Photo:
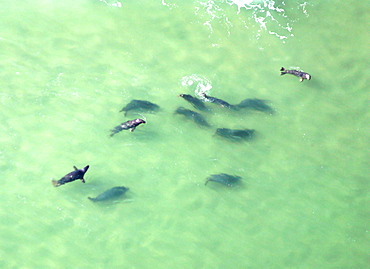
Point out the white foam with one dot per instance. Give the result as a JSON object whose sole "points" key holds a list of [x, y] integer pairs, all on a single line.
{"points": [[270, 15], [200, 82]]}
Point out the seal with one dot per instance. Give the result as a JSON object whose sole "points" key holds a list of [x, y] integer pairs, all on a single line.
{"points": [[110, 194], [224, 179], [74, 175], [192, 115], [217, 101], [127, 125], [255, 104], [302, 75], [236, 135], [198, 104], [140, 105]]}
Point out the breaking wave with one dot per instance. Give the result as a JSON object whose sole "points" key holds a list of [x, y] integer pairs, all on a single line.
{"points": [[268, 15]]}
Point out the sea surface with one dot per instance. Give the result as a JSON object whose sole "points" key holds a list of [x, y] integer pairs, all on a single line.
{"points": [[68, 68]]}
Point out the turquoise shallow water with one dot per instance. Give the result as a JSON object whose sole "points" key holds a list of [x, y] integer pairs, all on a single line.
{"points": [[68, 68]]}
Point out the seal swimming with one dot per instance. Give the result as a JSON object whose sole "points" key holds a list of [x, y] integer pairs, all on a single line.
{"points": [[140, 105], [192, 115], [255, 104], [110, 194], [217, 101], [302, 75], [242, 134], [74, 175], [198, 104], [127, 125], [223, 178]]}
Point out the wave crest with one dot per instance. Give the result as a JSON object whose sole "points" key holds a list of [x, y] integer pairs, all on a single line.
{"points": [[269, 15]]}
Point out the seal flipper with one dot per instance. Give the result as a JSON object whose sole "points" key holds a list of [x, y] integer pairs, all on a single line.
{"points": [[84, 171], [283, 71], [55, 183], [75, 168], [92, 199], [132, 129]]}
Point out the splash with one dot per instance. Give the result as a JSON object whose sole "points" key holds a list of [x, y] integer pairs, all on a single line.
{"points": [[200, 84]]}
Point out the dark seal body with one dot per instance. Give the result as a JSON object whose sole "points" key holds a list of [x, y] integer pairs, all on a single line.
{"points": [[225, 179], [140, 105], [243, 134], [302, 75], [127, 125], [110, 194], [255, 104], [74, 175], [217, 101], [192, 115], [198, 104]]}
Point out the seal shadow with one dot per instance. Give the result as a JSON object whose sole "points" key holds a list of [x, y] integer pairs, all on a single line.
{"points": [[241, 185]]}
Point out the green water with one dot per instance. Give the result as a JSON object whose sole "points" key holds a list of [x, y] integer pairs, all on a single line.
{"points": [[67, 69]]}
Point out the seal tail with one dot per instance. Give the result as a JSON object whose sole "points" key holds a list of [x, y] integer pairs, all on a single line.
{"points": [[55, 183], [283, 71], [207, 181], [113, 132]]}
